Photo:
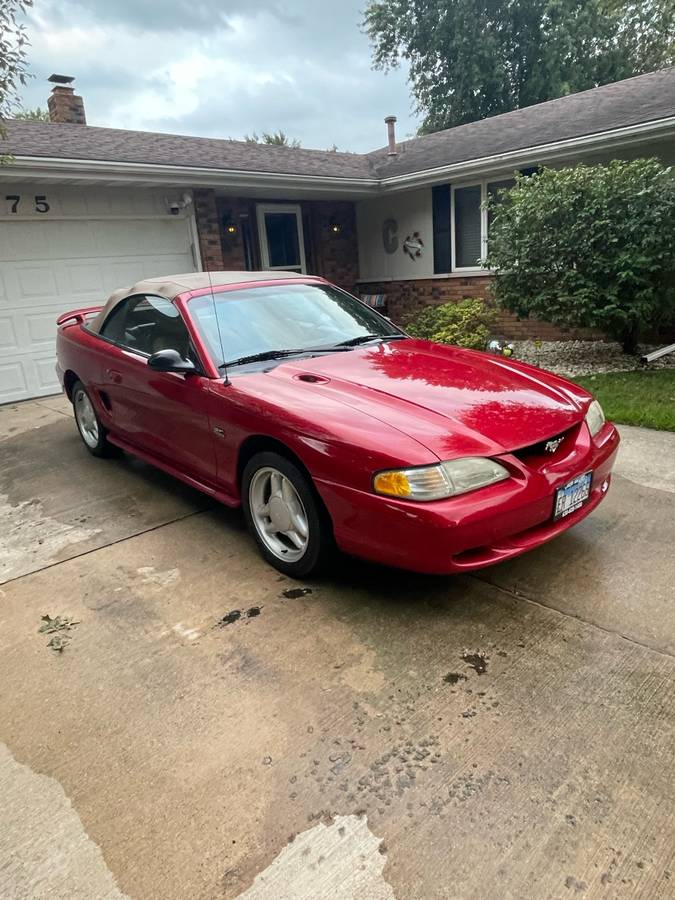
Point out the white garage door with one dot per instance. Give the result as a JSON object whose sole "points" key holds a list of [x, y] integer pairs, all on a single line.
{"points": [[67, 248]]}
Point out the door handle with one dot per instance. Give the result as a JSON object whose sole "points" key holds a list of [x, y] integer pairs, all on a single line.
{"points": [[114, 376]]}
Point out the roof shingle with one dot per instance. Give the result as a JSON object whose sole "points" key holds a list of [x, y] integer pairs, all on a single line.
{"points": [[634, 101]]}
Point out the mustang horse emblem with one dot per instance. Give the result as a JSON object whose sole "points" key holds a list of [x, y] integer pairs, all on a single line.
{"points": [[552, 445]]}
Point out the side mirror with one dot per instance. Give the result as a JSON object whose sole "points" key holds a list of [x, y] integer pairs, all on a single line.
{"points": [[171, 361]]}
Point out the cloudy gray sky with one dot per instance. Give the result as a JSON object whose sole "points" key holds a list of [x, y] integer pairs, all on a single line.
{"points": [[220, 68]]}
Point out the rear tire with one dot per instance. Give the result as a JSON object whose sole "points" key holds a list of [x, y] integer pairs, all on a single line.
{"points": [[285, 516], [94, 435]]}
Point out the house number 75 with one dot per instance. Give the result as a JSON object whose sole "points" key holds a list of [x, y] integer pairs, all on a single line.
{"points": [[41, 205]]}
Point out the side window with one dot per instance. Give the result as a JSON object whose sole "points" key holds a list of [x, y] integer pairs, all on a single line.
{"points": [[147, 324]]}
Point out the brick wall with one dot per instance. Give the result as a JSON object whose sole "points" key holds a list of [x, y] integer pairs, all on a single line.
{"points": [[333, 255], [405, 299], [209, 230], [238, 212]]}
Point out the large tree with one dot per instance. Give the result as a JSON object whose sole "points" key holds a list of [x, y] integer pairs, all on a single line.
{"points": [[470, 59], [13, 46], [275, 138], [33, 115]]}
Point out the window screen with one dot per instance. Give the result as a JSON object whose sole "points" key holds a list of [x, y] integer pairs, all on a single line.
{"points": [[494, 190], [468, 247], [282, 240], [440, 196]]}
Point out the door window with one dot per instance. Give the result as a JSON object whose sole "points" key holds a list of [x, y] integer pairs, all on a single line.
{"points": [[147, 324], [281, 237]]}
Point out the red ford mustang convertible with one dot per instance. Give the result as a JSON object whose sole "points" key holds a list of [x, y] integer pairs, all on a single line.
{"points": [[330, 426]]}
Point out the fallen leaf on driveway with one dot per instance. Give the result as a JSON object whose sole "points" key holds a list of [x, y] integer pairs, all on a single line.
{"points": [[58, 623], [58, 626]]}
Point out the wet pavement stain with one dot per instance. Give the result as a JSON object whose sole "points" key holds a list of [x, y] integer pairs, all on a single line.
{"points": [[454, 678], [477, 661], [572, 883], [237, 615], [294, 593]]}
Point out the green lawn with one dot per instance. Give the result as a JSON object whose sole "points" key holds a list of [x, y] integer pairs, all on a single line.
{"points": [[636, 398]]}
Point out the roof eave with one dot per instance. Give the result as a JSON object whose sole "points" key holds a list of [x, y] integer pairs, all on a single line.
{"points": [[88, 171], [148, 174], [537, 154]]}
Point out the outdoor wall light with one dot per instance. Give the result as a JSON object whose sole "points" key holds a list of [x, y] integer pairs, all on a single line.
{"points": [[229, 225], [335, 228]]}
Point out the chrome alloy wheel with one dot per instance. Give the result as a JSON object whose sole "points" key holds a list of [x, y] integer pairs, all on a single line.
{"points": [[278, 514], [86, 419]]}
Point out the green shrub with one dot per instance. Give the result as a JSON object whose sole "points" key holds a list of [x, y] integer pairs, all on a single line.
{"points": [[590, 245], [465, 323]]}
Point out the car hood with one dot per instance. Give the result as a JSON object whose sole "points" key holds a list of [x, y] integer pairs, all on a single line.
{"points": [[454, 401]]}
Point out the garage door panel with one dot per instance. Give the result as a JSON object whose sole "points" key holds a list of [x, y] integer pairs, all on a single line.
{"points": [[48, 266], [47, 381], [40, 328], [35, 282], [8, 339], [13, 380], [84, 278], [149, 237], [81, 203], [76, 241], [23, 240]]}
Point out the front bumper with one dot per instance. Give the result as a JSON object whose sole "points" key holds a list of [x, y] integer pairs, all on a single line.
{"points": [[477, 529]]}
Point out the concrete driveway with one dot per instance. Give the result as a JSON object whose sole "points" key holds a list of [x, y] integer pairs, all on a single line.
{"points": [[212, 729]]}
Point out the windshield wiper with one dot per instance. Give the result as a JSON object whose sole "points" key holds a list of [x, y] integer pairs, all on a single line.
{"points": [[364, 338], [278, 354]]}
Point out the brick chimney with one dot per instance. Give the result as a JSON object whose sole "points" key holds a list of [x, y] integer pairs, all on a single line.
{"points": [[65, 106], [391, 135]]}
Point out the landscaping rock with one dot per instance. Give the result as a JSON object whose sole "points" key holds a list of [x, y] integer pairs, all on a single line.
{"points": [[575, 358]]}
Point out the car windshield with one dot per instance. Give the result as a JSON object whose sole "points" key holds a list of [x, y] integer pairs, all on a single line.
{"points": [[284, 319]]}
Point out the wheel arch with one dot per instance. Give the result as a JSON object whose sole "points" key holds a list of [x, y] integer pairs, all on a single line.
{"points": [[260, 443], [69, 379]]}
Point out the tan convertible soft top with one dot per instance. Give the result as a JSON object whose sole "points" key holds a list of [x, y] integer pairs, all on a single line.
{"points": [[170, 286]]}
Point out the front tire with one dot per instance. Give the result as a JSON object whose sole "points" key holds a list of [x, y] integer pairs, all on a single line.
{"points": [[94, 435], [284, 515]]}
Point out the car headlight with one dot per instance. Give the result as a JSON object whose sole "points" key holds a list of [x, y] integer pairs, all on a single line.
{"points": [[444, 479], [595, 418]]}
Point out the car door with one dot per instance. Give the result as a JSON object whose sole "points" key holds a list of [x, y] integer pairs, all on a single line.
{"points": [[163, 413]]}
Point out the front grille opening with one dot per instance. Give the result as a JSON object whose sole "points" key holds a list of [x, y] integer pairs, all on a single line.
{"points": [[548, 449]]}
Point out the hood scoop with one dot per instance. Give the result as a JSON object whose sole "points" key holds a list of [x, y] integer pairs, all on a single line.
{"points": [[311, 378]]}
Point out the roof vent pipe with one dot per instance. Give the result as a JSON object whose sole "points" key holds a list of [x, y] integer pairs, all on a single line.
{"points": [[391, 135]]}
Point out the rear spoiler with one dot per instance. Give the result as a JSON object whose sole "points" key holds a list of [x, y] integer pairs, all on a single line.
{"points": [[77, 316]]}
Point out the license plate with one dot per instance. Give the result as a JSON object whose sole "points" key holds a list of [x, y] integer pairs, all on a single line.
{"points": [[572, 495]]}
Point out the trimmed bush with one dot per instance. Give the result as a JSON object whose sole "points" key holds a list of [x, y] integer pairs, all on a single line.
{"points": [[590, 245], [465, 323]]}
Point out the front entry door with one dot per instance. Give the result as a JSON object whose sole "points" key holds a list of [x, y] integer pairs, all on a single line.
{"points": [[282, 242]]}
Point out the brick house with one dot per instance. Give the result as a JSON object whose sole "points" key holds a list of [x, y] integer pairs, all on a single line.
{"points": [[85, 210]]}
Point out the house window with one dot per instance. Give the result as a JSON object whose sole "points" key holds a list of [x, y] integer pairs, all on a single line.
{"points": [[471, 222], [282, 243]]}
